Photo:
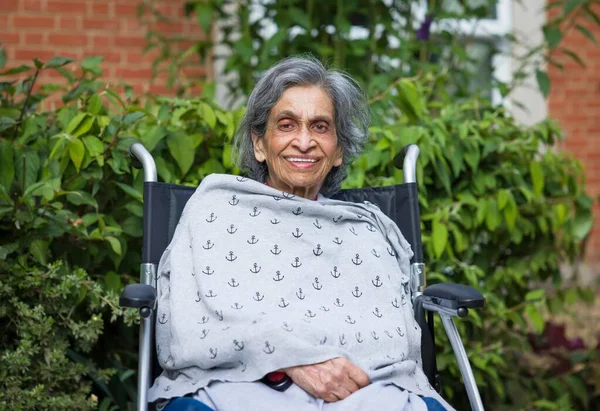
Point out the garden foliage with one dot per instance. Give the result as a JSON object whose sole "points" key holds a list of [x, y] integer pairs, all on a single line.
{"points": [[501, 211]]}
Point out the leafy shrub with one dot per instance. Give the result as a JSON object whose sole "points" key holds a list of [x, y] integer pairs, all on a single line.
{"points": [[500, 212]]}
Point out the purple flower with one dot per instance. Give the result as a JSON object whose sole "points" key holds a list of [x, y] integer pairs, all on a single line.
{"points": [[424, 31]]}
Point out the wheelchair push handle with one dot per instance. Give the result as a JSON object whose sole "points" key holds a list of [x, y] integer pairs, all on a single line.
{"points": [[406, 160], [143, 159]]}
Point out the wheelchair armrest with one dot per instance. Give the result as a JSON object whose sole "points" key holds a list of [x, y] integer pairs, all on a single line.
{"points": [[138, 296], [453, 297]]}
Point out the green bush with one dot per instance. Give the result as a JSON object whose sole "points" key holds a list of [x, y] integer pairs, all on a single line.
{"points": [[500, 212]]}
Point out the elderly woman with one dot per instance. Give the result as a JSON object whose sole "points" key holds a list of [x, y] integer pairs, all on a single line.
{"points": [[266, 274]]}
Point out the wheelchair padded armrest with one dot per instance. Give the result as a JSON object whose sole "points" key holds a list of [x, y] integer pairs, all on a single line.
{"points": [[138, 296], [454, 296]]}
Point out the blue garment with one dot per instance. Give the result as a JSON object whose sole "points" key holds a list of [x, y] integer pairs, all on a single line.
{"points": [[190, 404]]}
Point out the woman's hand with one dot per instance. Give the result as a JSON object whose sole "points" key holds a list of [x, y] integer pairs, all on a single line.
{"points": [[332, 380]]}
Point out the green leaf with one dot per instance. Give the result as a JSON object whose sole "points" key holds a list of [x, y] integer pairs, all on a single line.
{"points": [[492, 216], [76, 152], [439, 234], [7, 249], [151, 138], [535, 295], [552, 35], [2, 58], [209, 115], [58, 61], [181, 148], [7, 167], [537, 177], [94, 145], [92, 64], [299, 17], [510, 213], [115, 244], [410, 100], [586, 33], [132, 117], [78, 121], [227, 156], [536, 318], [131, 191], [543, 82], [503, 198], [582, 224], [204, 12], [94, 104], [113, 281], [133, 226], [570, 5], [39, 250], [81, 197], [16, 70]]}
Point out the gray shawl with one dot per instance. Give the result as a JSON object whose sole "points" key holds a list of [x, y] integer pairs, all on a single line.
{"points": [[256, 280]]}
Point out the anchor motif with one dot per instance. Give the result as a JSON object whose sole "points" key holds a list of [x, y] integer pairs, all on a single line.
{"points": [[353, 231], [252, 240], [231, 257], [219, 314], [239, 345], [338, 241], [338, 303], [300, 295], [234, 201], [210, 294], [323, 341], [198, 299], [359, 338], [213, 353], [298, 211], [209, 245], [356, 260], [269, 349], [254, 212], [283, 304], [297, 234], [336, 219], [255, 268], [276, 198], [316, 224], [243, 366], [375, 253], [296, 262], [275, 221], [287, 328], [377, 282], [310, 314], [163, 319], [241, 179], [399, 331], [233, 283], [168, 388], [279, 277], [288, 196], [391, 358], [376, 313], [203, 320], [208, 271], [237, 306], [343, 339], [371, 228], [388, 334], [323, 308], [193, 274], [335, 273], [395, 303], [349, 320], [374, 335], [403, 298], [391, 252], [211, 218], [231, 229], [317, 251], [204, 333], [258, 297], [275, 250], [356, 292], [316, 285]]}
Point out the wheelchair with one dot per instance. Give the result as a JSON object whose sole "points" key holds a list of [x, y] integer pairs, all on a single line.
{"points": [[164, 203]]}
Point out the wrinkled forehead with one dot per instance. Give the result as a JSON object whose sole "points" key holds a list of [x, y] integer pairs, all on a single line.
{"points": [[304, 103]]}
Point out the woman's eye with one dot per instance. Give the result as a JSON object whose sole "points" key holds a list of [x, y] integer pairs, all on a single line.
{"points": [[322, 128], [286, 126]]}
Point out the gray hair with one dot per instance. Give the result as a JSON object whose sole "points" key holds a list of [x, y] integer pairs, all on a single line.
{"points": [[350, 105]]}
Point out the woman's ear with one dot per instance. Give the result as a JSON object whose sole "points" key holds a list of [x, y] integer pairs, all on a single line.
{"points": [[259, 148], [339, 159]]}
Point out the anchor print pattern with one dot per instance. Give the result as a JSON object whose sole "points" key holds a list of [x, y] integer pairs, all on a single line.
{"points": [[257, 259]]}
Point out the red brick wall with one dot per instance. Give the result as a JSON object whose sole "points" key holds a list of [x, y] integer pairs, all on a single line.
{"points": [[79, 28], [575, 102]]}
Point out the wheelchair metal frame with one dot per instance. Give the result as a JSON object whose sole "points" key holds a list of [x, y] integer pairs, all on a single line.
{"points": [[417, 285]]}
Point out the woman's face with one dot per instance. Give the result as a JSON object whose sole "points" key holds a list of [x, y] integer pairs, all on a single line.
{"points": [[300, 143]]}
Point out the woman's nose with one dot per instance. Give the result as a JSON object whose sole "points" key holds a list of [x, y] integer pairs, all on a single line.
{"points": [[304, 140]]}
